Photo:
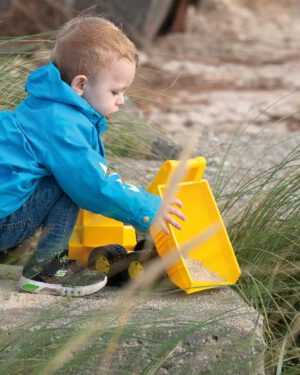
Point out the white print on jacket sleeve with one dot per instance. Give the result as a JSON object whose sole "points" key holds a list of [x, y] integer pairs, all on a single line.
{"points": [[127, 186], [103, 166], [131, 187]]}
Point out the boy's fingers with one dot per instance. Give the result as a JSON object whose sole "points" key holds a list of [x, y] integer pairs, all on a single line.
{"points": [[173, 222], [177, 202], [164, 228], [178, 213]]}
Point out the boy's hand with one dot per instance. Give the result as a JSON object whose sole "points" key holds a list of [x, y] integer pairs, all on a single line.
{"points": [[166, 217]]}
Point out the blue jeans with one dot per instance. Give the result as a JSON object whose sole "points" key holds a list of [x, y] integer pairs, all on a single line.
{"points": [[49, 208]]}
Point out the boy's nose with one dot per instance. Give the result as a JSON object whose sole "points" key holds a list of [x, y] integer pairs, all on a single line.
{"points": [[120, 100]]}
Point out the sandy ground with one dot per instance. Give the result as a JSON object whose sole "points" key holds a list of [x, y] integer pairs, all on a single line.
{"points": [[238, 63]]}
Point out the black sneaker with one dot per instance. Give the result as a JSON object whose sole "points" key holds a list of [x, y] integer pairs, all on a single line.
{"points": [[61, 276]]}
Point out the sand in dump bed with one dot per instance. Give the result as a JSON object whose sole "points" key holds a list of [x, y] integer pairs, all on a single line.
{"points": [[199, 272]]}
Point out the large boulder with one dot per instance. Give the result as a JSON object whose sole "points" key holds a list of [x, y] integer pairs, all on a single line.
{"points": [[167, 332]]}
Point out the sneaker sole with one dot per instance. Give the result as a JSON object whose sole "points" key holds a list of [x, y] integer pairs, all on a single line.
{"points": [[32, 286]]}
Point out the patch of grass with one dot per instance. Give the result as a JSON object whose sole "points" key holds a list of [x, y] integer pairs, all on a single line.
{"points": [[264, 226]]}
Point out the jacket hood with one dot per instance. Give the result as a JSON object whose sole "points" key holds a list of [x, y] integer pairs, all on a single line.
{"points": [[45, 83]]}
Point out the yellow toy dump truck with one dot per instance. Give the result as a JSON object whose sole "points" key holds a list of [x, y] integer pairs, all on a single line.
{"points": [[111, 247]]}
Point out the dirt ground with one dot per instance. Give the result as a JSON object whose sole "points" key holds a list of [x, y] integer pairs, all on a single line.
{"points": [[238, 62]]}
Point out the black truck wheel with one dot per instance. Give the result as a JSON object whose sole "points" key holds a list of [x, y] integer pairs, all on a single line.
{"points": [[138, 259], [120, 265], [109, 259], [144, 244]]}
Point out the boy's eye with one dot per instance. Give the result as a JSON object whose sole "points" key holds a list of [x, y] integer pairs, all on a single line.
{"points": [[114, 92]]}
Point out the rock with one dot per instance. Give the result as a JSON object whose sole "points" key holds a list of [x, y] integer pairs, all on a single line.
{"points": [[167, 332], [208, 330], [8, 272]]}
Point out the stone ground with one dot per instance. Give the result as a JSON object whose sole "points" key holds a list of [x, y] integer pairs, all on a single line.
{"points": [[238, 64], [180, 334]]}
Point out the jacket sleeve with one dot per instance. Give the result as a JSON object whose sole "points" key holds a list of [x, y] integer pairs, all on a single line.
{"points": [[73, 158]]}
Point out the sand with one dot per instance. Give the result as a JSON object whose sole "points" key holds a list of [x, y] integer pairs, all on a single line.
{"points": [[199, 272]]}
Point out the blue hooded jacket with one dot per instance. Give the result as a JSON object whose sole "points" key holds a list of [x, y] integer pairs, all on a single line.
{"points": [[56, 132]]}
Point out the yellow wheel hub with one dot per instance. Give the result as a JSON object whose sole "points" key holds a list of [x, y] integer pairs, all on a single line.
{"points": [[102, 264], [135, 270]]}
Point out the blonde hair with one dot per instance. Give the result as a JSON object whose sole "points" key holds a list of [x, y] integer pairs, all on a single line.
{"points": [[87, 44]]}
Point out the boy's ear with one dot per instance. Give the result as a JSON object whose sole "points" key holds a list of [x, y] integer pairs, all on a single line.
{"points": [[78, 84]]}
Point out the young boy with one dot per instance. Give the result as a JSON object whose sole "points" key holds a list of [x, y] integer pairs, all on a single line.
{"points": [[52, 159]]}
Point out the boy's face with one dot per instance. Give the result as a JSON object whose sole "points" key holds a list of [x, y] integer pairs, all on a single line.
{"points": [[106, 93]]}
